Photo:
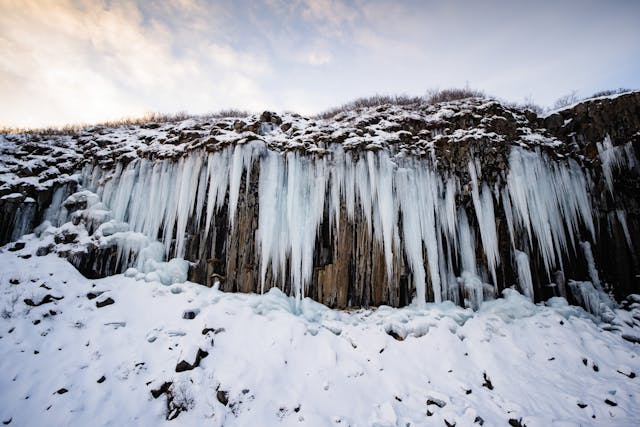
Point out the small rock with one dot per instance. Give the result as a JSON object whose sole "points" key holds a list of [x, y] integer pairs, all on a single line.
{"points": [[93, 295], [223, 397], [164, 388], [46, 300], [183, 365], [190, 314], [515, 423], [101, 379], [239, 125], [610, 402], [62, 391], [631, 338], [395, 335], [479, 420], [105, 302], [582, 405], [487, 381], [17, 246], [265, 116], [433, 401]]}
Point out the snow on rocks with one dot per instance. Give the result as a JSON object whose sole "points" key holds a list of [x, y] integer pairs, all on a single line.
{"points": [[263, 359]]}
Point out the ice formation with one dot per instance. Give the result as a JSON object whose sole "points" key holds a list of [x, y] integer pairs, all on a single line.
{"points": [[408, 204]]}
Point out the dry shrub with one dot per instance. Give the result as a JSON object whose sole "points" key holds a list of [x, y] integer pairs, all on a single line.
{"points": [[372, 101], [610, 92], [435, 96]]}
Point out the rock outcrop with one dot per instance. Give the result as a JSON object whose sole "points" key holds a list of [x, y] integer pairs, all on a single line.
{"points": [[381, 205]]}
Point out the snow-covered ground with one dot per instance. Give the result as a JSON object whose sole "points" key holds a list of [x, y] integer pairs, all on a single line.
{"points": [[264, 361]]}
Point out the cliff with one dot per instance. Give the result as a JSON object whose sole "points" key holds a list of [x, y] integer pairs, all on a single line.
{"points": [[382, 205]]}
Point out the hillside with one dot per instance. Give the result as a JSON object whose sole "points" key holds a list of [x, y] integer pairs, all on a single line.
{"points": [[458, 263]]}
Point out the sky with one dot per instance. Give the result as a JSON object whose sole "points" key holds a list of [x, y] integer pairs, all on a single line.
{"points": [[82, 61]]}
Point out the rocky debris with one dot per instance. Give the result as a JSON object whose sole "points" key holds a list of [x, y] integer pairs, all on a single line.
{"points": [[17, 246], [48, 298], [610, 402], [487, 381], [103, 302], [631, 338], [183, 365], [190, 314], [93, 295], [223, 397], [61, 391], [164, 388], [437, 402], [513, 422]]}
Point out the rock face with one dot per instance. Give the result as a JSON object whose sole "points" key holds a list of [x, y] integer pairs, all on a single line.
{"points": [[454, 201]]}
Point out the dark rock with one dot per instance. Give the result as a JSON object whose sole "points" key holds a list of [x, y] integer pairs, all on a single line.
{"points": [[186, 366], [93, 295], [610, 402], [439, 403], [582, 405], [62, 391], [46, 300], [17, 246], [285, 127], [190, 314], [104, 302], [487, 381], [631, 338], [164, 388], [45, 250], [223, 397], [478, 420], [239, 125], [516, 422], [265, 116], [101, 379], [395, 335]]}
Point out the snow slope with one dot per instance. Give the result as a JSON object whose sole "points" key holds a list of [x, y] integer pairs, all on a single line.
{"points": [[70, 362]]}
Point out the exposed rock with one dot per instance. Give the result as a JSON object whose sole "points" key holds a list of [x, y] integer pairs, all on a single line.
{"points": [[186, 366], [104, 302]]}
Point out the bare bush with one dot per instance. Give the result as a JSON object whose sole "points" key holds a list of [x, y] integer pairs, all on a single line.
{"points": [[435, 96], [372, 101], [610, 92], [229, 113], [568, 99], [126, 121]]}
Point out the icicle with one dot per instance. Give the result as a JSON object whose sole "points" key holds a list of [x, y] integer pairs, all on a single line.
{"points": [[622, 220], [524, 274], [591, 265], [483, 205]]}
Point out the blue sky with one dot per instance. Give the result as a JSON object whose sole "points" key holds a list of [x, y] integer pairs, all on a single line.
{"points": [[71, 61]]}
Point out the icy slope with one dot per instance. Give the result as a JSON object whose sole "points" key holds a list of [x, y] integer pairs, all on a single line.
{"points": [[94, 352]]}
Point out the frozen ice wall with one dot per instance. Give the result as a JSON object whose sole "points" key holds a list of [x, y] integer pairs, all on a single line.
{"points": [[442, 226]]}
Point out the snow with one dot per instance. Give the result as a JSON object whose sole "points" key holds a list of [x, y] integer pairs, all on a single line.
{"points": [[272, 360]]}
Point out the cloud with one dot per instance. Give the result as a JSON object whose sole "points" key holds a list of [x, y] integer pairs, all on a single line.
{"points": [[96, 62], [84, 60]]}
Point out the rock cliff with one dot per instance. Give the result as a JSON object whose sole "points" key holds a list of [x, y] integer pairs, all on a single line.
{"points": [[380, 205]]}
